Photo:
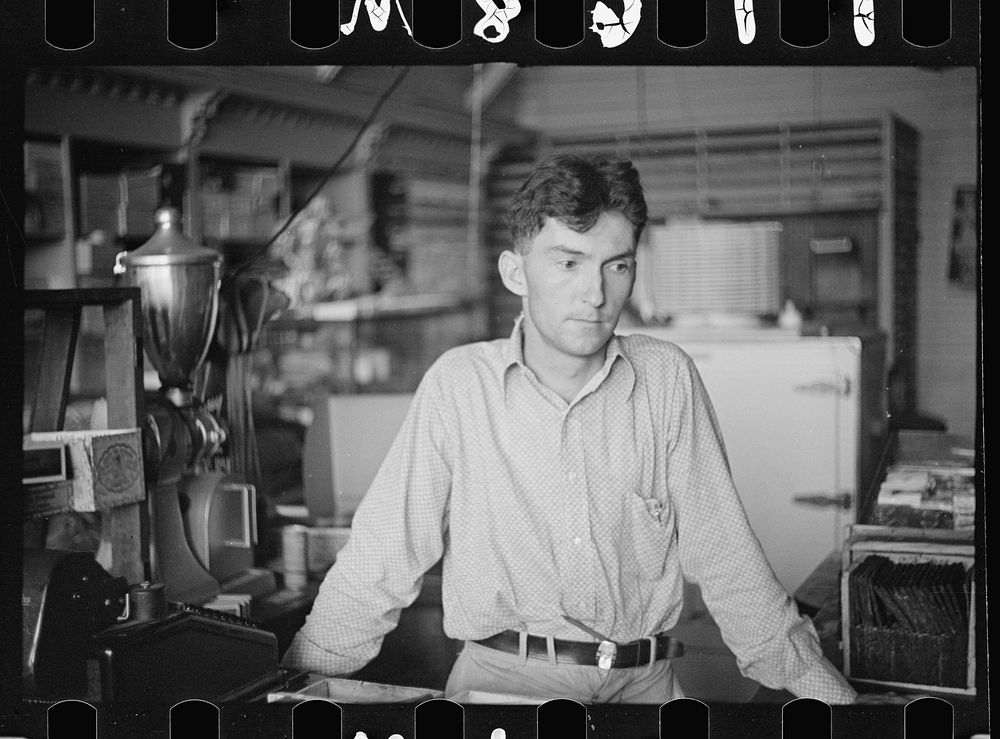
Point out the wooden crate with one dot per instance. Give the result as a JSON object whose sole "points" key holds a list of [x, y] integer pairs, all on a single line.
{"points": [[955, 654]]}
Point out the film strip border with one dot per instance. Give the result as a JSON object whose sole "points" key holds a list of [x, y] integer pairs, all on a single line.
{"points": [[921, 718], [925, 32]]}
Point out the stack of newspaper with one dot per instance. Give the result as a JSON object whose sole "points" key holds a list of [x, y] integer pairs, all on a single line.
{"points": [[927, 496]]}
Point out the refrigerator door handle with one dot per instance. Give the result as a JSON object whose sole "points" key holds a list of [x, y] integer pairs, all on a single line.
{"points": [[844, 499], [832, 384]]}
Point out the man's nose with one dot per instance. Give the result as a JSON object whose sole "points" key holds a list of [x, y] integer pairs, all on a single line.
{"points": [[593, 289]]}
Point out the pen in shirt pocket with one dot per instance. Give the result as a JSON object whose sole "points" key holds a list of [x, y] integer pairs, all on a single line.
{"points": [[654, 508]]}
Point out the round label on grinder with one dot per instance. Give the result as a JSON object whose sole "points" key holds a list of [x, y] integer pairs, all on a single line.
{"points": [[118, 467]]}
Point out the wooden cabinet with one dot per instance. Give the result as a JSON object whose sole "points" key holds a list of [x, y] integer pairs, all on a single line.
{"points": [[830, 265]]}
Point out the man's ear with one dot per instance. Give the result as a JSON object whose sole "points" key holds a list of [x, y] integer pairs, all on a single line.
{"points": [[512, 272]]}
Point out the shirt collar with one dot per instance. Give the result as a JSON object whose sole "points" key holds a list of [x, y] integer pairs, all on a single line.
{"points": [[513, 349], [513, 356]]}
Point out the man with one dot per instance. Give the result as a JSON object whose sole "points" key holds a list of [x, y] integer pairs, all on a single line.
{"points": [[571, 479]]}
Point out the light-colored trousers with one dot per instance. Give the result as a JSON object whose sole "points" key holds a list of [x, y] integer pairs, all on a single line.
{"points": [[483, 669]]}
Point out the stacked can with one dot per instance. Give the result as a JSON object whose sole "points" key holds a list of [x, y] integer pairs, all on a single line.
{"points": [[295, 554]]}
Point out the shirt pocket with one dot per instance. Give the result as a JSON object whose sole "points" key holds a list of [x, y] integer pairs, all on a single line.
{"points": [[646, 536]]}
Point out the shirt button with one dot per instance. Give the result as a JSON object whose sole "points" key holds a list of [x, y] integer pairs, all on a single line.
{"points": [[577, 540]]}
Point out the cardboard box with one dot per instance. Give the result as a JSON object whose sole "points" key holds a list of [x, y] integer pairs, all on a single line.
{"points": [[48, 499], [105, 471]]}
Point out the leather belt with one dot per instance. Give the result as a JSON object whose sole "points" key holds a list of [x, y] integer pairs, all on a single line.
{"points": [[632, 654]]}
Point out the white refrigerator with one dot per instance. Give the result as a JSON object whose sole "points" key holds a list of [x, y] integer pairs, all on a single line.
{"points": [[803, 418]]}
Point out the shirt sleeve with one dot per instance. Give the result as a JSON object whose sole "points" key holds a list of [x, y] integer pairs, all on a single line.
{"points": [[760, 623], [397, 534]]}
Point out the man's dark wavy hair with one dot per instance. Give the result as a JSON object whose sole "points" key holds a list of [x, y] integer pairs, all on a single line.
{"points": [[576, 190]]}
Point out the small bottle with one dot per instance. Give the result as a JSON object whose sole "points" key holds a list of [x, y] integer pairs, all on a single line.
{"points": [[790, 318]]}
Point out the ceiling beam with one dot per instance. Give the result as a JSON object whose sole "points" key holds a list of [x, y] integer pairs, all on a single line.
{"points": [[493, 79], [258, 84]]}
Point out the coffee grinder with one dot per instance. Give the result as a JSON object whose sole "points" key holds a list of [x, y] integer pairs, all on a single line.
{"points": [[203, 524]]}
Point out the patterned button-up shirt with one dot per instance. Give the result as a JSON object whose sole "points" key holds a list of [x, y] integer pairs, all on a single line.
{"points": [[597, 509]]}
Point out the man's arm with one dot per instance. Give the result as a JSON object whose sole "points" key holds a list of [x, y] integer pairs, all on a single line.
{"points": [[397, 534], [773, 643]]}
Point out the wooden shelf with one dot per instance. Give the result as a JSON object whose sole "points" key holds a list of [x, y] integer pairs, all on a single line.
{"points": [[34, 237], [374, 307]]}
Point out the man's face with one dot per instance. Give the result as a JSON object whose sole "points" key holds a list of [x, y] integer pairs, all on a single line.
{"points": [[575, 285]]}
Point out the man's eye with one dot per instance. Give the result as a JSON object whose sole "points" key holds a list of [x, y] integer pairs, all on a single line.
{"points": [[567, 263], [620, 267]]}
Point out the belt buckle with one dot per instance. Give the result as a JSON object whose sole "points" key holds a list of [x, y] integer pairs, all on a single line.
{"points": [[606, 653]]}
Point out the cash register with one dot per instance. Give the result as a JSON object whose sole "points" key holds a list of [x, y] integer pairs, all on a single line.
{"points": [[88, 635]]}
